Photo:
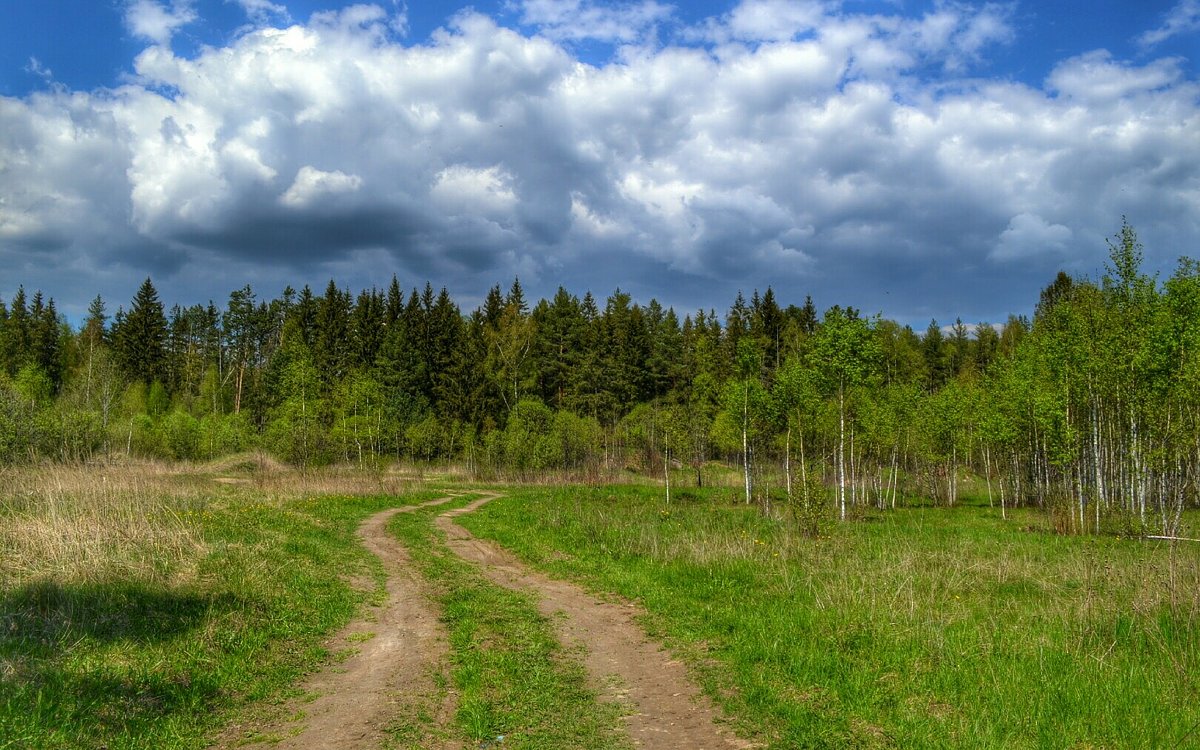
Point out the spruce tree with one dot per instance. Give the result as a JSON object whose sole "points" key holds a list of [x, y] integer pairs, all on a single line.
{"points": [[141, 339]]}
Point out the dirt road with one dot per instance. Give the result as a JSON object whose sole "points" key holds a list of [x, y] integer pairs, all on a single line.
{"points": [[399, 646], [664, 709], [402, 643]]}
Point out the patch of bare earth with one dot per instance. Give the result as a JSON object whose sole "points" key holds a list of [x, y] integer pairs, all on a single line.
{"points": [[388, 679], [664, 709]]}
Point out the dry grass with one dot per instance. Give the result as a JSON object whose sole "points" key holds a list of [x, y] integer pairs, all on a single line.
{"points": [[141, 521], [74, 524]]}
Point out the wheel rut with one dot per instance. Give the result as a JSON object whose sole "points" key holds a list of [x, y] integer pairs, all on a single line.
{"points": [[663, 708], [398, 649], [389, 680]]}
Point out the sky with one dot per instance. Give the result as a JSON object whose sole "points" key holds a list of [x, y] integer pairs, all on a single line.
{"points": [[921, 159]]}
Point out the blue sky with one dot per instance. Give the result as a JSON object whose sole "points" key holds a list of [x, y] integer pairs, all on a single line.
{"points": [[921, 159], [86, 44]]}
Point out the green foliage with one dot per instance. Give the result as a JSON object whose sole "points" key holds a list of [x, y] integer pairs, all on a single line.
{"points": [[529, 440], [511, 675], [33, 385], [298, 430], [925, 628], [127, 661], [1094, 401], [140, 337], [182, 435]]}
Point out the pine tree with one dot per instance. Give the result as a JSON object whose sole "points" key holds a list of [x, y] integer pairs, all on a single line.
{"points": [[95, 328], [936, 361], [331, 347], [141, 338], [45, 339], [240, 323], [16, 334], [394, 306], [368, 323]]}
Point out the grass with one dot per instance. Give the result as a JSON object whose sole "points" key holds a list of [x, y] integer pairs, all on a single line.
{"points": [[150, 606], [147, 606], [924, 627], [512, 678]]}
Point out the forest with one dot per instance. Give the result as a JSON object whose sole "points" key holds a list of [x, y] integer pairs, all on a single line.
{"points": [[1089, 407]]}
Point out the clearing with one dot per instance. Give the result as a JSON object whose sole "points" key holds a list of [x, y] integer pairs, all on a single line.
{"points": [[399, 649]]}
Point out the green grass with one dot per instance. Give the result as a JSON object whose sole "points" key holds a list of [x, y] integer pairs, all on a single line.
{"points": [[512, 678], [117, 662], [925, 627]]}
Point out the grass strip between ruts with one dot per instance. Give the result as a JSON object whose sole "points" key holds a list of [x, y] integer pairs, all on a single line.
{"points": [[513, 679]]}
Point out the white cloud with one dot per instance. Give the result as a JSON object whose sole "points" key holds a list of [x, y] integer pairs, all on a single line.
{"points": [[311, 185], [773, 20], [156, 21], [264, 11], [1097, 77], [36, 67], [1184, 18], [820, 154], [1030, 236], [583, 19]]}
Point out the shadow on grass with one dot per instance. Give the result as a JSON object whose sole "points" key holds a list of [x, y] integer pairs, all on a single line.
{"points": [[44, 613], [50, 698]]}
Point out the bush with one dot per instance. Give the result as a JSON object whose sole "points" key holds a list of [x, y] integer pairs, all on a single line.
{"points": [[181, 435]]}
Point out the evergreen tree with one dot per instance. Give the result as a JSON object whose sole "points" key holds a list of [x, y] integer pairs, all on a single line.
{"points": [[45, 340], [493, 306], [368, 323], [560, 328], [95, 325], [394, 306], [443, 339], [140, 339], [937, 362], [240, 324], [16, 334], [332, 341], [767, 324]]}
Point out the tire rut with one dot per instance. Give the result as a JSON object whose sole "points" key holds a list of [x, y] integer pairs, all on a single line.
{"points": [[664, 709], [399, 647]]}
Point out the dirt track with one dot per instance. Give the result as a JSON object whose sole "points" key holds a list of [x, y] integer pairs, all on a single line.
{"points": [[665, 710], [402, 644], [399, 646]]}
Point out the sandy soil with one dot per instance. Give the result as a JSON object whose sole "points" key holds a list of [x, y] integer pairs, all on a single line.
{"points": [[664, 709]]}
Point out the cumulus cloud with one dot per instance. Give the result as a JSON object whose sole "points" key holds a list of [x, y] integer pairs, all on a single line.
{"points": [[156, 21], [950, 35], [1097, 77], [312, 185], [768, 20], [1184, 18], [818, 159], [1030, 236]]}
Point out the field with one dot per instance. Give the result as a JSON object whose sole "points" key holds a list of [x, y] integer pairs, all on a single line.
{"points": [[146, 606], [924, 627]]}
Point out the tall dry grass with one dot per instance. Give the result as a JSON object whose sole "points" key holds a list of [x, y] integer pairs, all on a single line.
{"points": [[142, 521], [86, 524]]}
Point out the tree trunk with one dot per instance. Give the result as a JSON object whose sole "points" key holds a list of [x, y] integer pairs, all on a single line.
{"points": [[841, 451], [787, 462], [746, 440]]}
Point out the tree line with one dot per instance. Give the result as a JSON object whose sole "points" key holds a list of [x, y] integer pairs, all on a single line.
{"points": [[1089, 409]]}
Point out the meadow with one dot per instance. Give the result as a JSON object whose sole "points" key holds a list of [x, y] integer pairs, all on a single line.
{"points": [[919, 627], [146, 605]]}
